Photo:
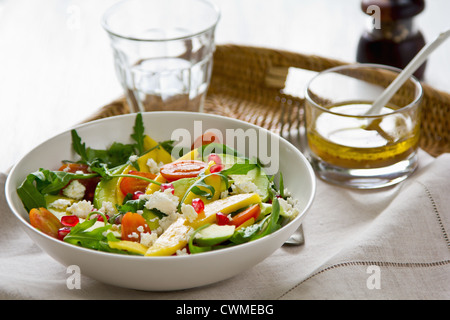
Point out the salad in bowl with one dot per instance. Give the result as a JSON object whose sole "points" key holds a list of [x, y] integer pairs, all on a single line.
{"points": [[150, 198]]}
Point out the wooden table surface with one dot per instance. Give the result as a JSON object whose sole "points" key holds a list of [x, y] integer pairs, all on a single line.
{"points": [[56, 66]]}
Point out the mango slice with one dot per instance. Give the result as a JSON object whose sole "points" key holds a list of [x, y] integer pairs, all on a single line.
{"points": [[174, 238], [129, 246], [225, 206]]}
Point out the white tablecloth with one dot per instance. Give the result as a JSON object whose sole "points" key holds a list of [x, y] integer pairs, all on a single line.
{"points": [[386, 244]]}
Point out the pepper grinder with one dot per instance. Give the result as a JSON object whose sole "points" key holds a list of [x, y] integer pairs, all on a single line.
{"points": [[394, 40]]}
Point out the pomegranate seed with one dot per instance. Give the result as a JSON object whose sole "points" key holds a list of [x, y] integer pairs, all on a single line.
{"points": [[166, 186], [62, 232], [100, 217], [222, 219], [216, 168], [214, 157], [198, 205], [137, 194], [69, 221]]}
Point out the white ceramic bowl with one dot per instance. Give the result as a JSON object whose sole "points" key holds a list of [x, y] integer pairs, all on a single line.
{"points": [[159, 273]]}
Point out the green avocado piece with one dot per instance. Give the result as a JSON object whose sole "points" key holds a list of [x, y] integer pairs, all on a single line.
{"points": [[58, 212], [106, 190], [180, 186], [257, 175], [214, 234]]}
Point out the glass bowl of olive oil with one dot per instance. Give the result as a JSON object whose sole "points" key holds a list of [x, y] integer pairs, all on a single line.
{"points": [[349, 146]]}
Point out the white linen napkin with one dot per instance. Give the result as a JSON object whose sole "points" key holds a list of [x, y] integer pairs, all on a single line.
{"points": [[385, 244]]}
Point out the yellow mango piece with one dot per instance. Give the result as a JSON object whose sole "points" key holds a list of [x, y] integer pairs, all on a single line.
{"points": [[226, 206], [192, 155], [152, 187], [158, 154], [119, 194], [129, 246], [247, 223], [173, 239]]}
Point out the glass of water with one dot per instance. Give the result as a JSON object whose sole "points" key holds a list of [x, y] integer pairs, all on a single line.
{"points": [[163, 51]]}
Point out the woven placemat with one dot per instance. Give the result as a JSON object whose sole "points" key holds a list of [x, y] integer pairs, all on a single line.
{"points": [[248, 83]]}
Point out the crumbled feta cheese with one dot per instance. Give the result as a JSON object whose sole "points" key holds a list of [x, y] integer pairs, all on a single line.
{"points": [[243, 184], [81, 209], [75, 190], [289, 208], [224, 194], [163, 201], [148, 239], [182, 252], [60, 204], [108, 208], [153, 166], [165, 222], [133, 158], [133, 235], [188, 212]]}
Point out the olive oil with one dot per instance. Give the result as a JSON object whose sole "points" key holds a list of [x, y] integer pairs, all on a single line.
{"points": [[345, 138]]}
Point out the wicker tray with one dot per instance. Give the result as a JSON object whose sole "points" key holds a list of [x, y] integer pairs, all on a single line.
{"points": [[248, 83]]}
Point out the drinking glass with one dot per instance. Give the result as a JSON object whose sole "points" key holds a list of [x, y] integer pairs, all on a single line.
{"points": [[349, 147], [163, 51]]}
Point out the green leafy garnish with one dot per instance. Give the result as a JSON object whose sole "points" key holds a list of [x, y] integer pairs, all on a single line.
{"points": [[96, 238], [135, 205], [42, 182], [258, 230], [138, 134]]}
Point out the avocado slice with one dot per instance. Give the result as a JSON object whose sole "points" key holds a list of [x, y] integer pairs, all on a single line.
{"points": [[214, 234], [180, 186], [106, 190], [257, 175]]}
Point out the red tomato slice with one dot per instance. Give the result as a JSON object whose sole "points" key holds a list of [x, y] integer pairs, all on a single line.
{"points": [[182, 169], [206, 138], [241, 217], [132, 185], [130, 224]]}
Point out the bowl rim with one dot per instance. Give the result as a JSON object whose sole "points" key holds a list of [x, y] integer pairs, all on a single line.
{"points": [[10, 189]]}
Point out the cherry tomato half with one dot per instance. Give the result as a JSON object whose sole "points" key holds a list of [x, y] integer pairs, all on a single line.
{"points": [[130, 226], [182, 169], [132, 185], [206, 138], [241, 217]]}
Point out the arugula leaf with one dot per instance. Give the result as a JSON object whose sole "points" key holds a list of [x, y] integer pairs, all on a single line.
{"points": [[42, 182], [239, 168], [135, 205], [81, 235], [78, 146], [208, 194], [281, 185], [138, 134], [30, 195]]}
